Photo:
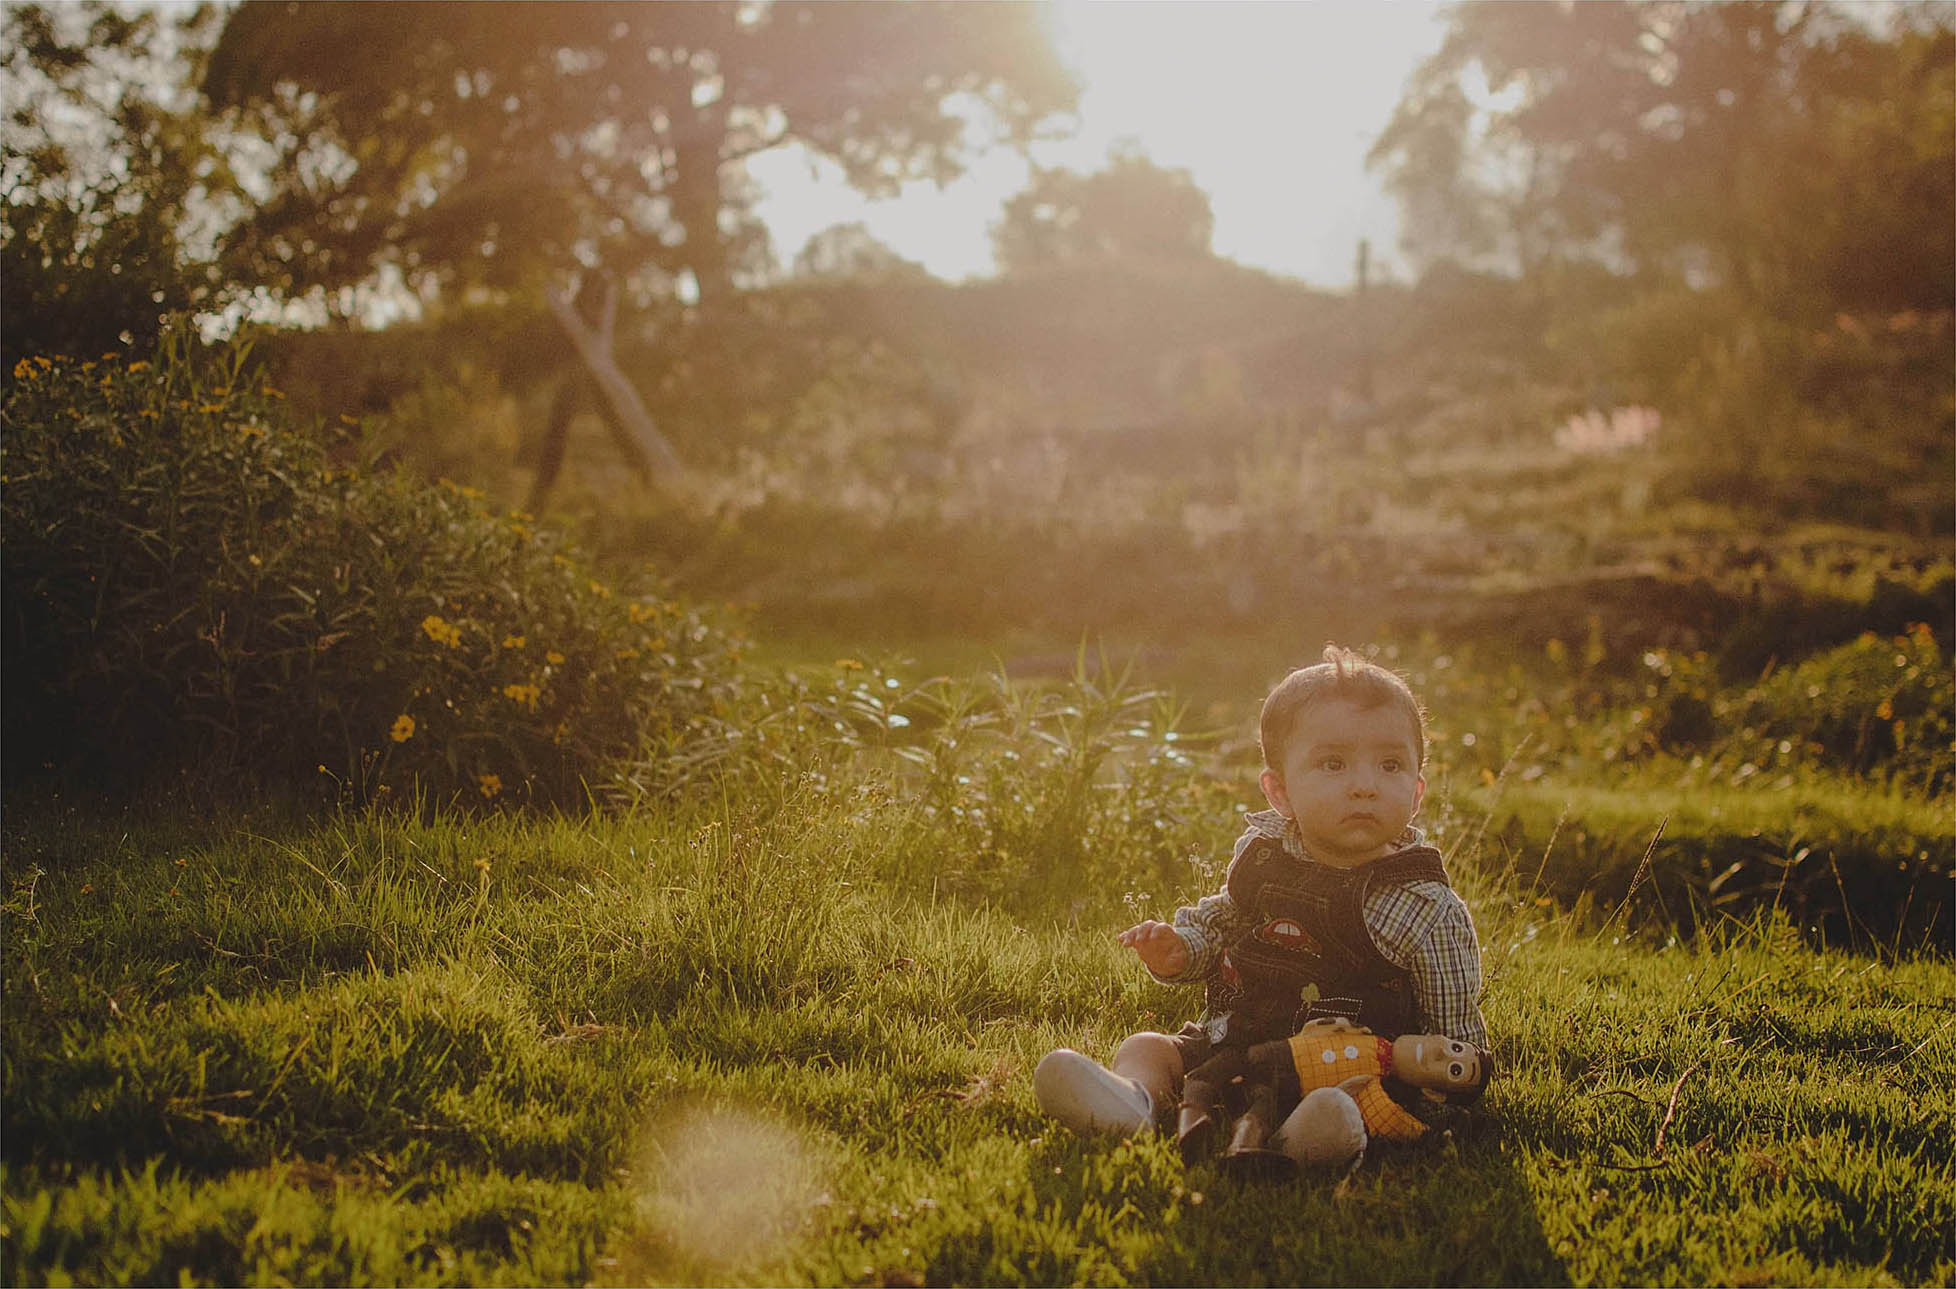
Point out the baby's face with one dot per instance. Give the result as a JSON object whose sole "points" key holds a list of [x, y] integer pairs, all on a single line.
{"points": [[1350, 778]]}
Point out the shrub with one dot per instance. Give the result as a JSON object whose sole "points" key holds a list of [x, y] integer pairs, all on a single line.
{"points": [[188, 580], [1875, 704]]}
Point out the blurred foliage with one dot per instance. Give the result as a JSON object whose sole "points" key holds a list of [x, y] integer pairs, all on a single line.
{"points": [[1132, 209], [192, 584], [1791, 151], [106, 175], [1770, 191], [498, 144]]}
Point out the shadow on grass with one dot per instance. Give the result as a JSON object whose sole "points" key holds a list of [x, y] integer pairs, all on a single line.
{"points": [[1458, 1213]]}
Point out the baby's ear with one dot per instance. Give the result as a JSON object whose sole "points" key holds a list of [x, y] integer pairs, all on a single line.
{"points": [[1275, 793]]}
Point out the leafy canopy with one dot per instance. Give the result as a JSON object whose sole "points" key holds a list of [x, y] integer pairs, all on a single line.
{"points": [[1132, 208], [1789, 150], [483, 144]]}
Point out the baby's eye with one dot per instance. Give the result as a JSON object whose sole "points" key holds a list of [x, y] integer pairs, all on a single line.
{"points": [[1391, 765], [1333, 763]]}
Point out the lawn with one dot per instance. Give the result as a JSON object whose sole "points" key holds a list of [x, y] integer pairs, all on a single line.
{"points": [[753, 1039]]}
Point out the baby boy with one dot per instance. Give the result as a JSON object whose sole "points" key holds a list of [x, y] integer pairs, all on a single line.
{"points": [[1334, 906]]}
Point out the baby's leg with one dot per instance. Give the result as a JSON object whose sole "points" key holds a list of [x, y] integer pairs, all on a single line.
{"points": [[1089, 1097], [1155, 1062]]}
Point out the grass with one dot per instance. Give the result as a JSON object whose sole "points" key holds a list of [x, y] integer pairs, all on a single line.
{"points": [[747, 1040]]}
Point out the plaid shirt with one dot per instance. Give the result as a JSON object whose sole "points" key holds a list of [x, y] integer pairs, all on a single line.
{"points": [[1423, 928]]}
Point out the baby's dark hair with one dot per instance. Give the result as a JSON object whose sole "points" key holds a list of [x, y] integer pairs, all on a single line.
{"points": [[1342, 674]]}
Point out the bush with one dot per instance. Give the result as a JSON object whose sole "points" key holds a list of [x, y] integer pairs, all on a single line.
{"points": [[189, 581], [1885, 704]]}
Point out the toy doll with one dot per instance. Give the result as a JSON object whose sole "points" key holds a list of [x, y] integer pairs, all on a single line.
{"points": [[1320, 1096]]}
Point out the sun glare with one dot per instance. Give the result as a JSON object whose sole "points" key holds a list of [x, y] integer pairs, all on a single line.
{"points": [[1269, 106]]}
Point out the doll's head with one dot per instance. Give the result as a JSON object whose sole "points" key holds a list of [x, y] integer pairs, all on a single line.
{"points": [[1460, 1071]]}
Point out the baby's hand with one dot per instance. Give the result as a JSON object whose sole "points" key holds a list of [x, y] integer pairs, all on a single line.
{"points": [[1160, 949]]}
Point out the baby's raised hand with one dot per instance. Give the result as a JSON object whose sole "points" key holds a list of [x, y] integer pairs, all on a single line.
{"points": [[1159, 948]]}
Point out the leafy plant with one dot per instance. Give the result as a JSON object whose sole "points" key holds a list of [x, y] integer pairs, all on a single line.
{"points": [[191, 580]]}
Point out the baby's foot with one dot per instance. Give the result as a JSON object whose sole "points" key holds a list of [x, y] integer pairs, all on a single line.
{"points": [[1088, 1097]]}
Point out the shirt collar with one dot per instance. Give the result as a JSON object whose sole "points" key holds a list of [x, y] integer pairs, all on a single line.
{"points": [[1268, 823]]}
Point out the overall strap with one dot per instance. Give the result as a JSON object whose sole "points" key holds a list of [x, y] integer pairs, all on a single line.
{"points": [[1414, 864]]}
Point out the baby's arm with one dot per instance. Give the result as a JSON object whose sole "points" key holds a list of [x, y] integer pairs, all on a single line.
{"points": [[1200, 933], [1161, 951], [1446, 974]]}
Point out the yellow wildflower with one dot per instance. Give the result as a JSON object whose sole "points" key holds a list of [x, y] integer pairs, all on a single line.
{"points": [[488, 784], [139, 365], [514, 642], [24, 369], [639, 612], [441, 632], [211, 407], [848, 664], [553, 658], [525, 694], [626, 655], [600, 590], [403, 728]]}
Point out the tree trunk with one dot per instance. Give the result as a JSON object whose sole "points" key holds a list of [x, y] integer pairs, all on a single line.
{"points": [[631, 425], [556, 437]]}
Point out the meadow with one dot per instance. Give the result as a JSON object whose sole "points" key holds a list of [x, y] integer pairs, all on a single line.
{"points": [[765, 1038], [401, 888]]}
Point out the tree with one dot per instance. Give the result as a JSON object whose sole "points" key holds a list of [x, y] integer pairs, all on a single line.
{"points": [[851, 251], [1752, 143], [104, 180], [1132, 208], [498, 149], [491, 144]]}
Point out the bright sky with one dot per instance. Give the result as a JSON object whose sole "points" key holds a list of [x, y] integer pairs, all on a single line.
{"points": [[1270, 105]]}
